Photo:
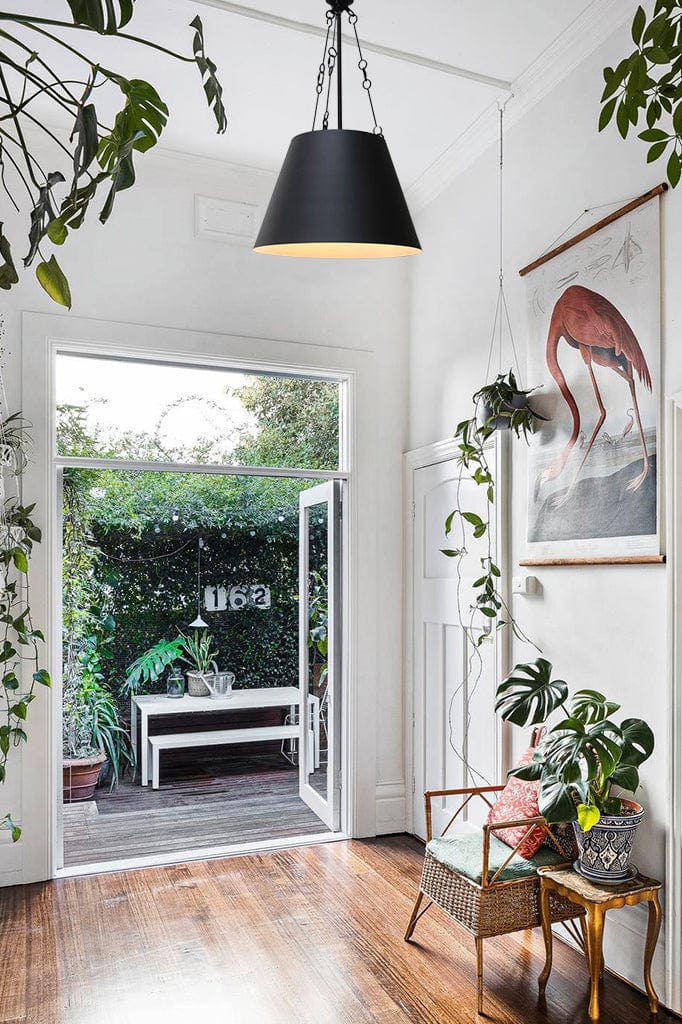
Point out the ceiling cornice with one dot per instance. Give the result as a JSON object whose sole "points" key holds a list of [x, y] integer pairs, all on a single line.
{"points": [[589, 30], [256, 14]]}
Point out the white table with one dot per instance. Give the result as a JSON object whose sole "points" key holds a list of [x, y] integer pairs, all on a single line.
{"points": [[156, 704]]}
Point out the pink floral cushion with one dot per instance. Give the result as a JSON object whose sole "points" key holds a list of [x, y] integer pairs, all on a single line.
{"points": [[518, 800]]}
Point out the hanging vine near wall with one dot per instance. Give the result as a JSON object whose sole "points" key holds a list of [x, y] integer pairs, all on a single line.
{"points": [[95, 157], [20, 641], [649, 82]]}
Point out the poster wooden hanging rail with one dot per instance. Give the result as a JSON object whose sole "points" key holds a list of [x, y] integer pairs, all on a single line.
{"points": [[622, 212]]}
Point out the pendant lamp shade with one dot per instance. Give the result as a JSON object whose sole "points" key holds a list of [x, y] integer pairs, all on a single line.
{"points": [[338, 196]]}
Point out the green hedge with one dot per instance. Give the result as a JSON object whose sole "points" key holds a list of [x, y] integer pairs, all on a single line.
{"points": [[146, 528]]}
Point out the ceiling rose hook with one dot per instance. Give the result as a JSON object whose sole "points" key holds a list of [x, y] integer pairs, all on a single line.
{"points": [[339, 6]]}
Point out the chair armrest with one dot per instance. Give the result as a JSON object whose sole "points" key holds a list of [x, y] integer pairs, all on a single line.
{"points": [[537, 822], [469, 792]]}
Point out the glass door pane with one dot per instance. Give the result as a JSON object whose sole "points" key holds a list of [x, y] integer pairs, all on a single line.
{"points": [[319, 650]]}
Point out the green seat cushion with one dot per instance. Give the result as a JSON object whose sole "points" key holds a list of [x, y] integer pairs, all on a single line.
{"points": [[464, 855]]}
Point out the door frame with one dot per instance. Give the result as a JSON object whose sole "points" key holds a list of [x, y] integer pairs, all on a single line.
{"points": [[421, 458], [43, 336], [673, 913], [330, 493]]}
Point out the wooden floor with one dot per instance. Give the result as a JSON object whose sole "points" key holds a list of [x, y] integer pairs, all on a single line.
{"points": [[199, 804], [305, 936]]}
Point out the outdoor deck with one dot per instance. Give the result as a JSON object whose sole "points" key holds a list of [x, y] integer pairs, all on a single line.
{"points": [[211, 802]]}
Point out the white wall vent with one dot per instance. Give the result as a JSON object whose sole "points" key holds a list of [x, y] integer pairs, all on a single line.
{"points": [[223, 220]]}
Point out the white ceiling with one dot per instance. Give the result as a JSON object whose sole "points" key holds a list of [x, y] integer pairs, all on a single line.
{"points": [[268, 72]]}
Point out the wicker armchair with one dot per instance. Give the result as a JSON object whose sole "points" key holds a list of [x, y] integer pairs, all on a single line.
{"points": [[501, 894]]}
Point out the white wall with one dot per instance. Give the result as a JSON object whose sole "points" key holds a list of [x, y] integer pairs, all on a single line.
{"points": [[603, 627], [146, 267]]}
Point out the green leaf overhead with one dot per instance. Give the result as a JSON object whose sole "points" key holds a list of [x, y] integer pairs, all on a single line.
{"points": [[648, 82], [66, 77], [208, 70], [54, 282], [530, 695], [8, 272], [104, 16]]}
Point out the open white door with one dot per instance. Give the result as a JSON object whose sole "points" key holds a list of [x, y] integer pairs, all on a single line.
{"points": [[320, 603]]}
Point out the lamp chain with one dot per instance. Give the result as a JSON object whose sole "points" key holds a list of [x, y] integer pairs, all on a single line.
{"points": [[327, 68], [362, 64], [321, 71], [331, 64]]}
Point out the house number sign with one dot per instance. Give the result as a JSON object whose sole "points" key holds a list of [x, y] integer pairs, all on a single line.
{"points": [[241, 595]]}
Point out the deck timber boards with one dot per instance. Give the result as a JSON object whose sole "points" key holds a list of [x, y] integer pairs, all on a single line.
{"points": [[256, 799], [292, 937]]}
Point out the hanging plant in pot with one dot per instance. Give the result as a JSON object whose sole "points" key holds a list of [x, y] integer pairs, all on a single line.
{"points": [[500, 404], [578, 763], [503, 405]]}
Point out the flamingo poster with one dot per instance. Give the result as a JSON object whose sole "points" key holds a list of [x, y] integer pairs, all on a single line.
{"points": [[594, 351]]}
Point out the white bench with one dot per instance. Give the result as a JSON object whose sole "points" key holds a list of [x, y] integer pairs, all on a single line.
{"points": [[147, 707], [180, 740]]}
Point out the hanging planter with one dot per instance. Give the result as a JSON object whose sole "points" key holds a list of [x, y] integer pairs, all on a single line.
{"points": [[502, 405]]}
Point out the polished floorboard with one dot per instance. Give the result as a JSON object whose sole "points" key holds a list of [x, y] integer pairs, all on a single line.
{"points": [[304, 936], [205, 803]]}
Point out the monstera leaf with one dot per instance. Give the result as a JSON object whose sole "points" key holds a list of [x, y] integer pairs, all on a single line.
{"points": [[638, 741], [209, 75], [105, 16], [8, 272], [572, 751], [150, 665], [141, 121], [590, 706], [530, 694]]}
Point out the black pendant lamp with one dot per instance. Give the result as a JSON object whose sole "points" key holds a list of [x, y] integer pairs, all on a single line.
{"points": [[338, 195]]}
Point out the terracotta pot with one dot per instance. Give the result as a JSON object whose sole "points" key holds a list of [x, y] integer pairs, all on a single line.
{"points": [[80, 775], [604, 851]]}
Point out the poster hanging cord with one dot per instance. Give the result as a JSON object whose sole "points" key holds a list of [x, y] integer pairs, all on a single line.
{"points": [[588, 209], [502, 317]]}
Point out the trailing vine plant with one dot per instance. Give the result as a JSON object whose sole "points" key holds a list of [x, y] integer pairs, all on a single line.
{"points": [[20, 641], [649, 81], [97, 157], [497, 405]]}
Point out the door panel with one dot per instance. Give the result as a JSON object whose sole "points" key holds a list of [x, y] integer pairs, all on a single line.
{"points": [[320, 604], [456, 734]]}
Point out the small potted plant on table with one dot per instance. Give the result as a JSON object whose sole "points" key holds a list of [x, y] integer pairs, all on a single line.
{"points": [[196, 651], [578, 763]]}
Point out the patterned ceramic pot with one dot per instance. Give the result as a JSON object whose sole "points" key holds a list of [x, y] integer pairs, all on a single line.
{"points": [[604, 851]]}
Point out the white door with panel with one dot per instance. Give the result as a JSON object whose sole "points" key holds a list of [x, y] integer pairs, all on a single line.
{"points": [[456, 736], [320, 665]]}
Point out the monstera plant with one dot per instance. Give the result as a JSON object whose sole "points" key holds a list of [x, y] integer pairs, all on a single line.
{"points": [[48, 73], [584, 755]]}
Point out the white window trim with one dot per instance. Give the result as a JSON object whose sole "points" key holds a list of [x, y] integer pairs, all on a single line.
{"points": [[43, 336]]}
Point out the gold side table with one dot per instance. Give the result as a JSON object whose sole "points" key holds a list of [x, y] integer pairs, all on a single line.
{"points": [[597, 900]]}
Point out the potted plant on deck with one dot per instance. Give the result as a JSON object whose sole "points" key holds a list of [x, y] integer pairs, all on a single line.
{"points": [[578, 763], [93, 738]]}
